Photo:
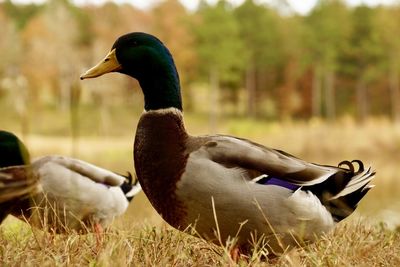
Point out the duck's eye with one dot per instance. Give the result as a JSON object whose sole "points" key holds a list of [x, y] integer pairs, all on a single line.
{"points": [[107, 59]]}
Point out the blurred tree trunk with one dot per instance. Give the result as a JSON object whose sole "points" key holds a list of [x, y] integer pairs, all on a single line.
{"points": [[286, 92], [362, 101], [75, 93], [251, 91], [214, 92], [316, 93], [394, 93], [187, 95], [22, 102], [65, 95], [330, 95]]}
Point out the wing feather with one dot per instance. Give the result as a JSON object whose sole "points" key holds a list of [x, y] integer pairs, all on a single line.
{"points": [[242, 153], [96, 174]]}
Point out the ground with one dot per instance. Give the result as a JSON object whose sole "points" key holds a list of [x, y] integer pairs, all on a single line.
{"points": [[370, 237]]}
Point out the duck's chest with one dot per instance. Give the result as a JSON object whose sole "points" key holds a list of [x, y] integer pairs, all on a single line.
{"points": [[160, 160]]}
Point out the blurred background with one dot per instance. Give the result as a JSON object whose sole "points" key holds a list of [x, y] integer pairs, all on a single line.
{"points": [[319, 80]]}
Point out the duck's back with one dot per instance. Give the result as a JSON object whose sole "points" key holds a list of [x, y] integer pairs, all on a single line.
{"points": [[69, 200]]}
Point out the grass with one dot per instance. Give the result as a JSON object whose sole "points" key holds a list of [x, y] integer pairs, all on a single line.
{"points": [[370, 237], [354, 243]]}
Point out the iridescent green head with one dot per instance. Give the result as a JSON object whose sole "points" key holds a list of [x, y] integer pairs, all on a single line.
{"points": [[12, 151], [145, 58]]}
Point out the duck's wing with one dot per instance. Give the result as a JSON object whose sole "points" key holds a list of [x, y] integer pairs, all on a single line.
{"points": [[94, 173], [242, 153], [16, 182]]}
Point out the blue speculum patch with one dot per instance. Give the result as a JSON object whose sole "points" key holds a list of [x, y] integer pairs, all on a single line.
{"points": [[266, 180]]}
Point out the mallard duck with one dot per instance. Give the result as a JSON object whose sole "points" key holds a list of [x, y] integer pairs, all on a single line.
{"points": [[16, 184], [70, 194], [228, 188]]}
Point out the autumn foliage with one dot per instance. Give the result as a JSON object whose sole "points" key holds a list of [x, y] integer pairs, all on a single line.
{"points": [[254, 59]]}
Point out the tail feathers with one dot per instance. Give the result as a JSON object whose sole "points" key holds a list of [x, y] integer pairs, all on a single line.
{"points": [[342, 207], [357, 182], [341, 193], [346, 201], [130, 189], [134, 191]]}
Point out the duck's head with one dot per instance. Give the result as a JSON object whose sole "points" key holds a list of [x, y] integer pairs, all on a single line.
{"points": [[145, 58], [12, 151]]}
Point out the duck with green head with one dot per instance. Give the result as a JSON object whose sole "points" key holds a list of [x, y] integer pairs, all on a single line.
{"points": [[17, 183], [247, 188], [66, 193]]}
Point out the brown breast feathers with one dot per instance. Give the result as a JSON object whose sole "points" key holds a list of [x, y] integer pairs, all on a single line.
{"points": [[160, 160]]}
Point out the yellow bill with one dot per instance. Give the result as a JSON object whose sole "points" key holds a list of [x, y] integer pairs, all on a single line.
{"points": [[108, 64]]}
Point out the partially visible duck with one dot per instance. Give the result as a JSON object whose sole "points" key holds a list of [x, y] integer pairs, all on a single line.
{"points": [[70, 194], [222, 185], [16, 184]]}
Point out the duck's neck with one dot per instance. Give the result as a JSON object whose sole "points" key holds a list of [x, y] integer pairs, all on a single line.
{"points": [[166, 120], [162, 89]]}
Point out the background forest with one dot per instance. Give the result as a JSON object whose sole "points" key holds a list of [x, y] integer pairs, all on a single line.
{"points": [[254, 60]]}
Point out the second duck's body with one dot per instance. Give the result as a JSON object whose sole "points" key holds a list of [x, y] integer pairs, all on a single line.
{"points": [[69, 194], [74, 195]]}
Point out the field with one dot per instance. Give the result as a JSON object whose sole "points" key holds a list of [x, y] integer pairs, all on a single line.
{"points": [[370, 237]]}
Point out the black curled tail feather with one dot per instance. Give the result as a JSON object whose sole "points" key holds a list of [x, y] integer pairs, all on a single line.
{"points": [[130, 188], [127, 185], [342, 192]]}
